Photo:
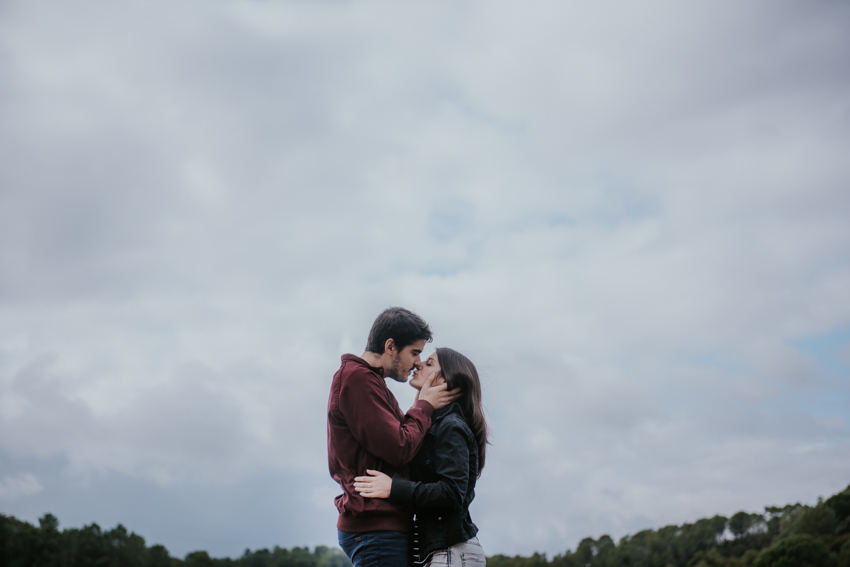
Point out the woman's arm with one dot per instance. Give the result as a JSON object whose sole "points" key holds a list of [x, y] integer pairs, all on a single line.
{"points": [[452, 468]]}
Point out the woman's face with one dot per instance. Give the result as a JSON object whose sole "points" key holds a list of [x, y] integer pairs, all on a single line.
{"points": [[431, 367]]}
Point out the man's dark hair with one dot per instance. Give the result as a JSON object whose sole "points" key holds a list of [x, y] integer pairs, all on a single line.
{"points": [[401, 325]]}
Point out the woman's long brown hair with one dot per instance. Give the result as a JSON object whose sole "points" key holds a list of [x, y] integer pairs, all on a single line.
{"points": [[459, 372]]}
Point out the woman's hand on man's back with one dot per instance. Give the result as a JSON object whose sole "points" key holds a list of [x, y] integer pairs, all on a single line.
{"points": [[376, 485]]}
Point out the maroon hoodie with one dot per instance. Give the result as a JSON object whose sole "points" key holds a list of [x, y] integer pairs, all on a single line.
{"points": [[367, 430]]}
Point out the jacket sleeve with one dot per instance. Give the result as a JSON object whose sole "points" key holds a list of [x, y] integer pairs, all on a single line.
{"points": [[374, 422], [452, 467]]}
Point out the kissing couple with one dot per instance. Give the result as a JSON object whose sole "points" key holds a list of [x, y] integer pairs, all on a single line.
{"points": [[407, 479]]}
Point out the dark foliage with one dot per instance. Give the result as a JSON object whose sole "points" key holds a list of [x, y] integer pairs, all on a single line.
{"points": [[796, 551], [792, 536], [25, 545]]}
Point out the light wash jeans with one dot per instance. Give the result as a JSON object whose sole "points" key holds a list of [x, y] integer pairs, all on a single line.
{"points": [[466, 554]]}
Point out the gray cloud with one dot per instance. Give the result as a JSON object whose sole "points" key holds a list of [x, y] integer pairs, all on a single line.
{"points": [[629, 217]]}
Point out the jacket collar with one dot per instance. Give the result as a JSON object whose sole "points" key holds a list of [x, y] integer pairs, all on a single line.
{"points": [[357, 360], [453, 407]]}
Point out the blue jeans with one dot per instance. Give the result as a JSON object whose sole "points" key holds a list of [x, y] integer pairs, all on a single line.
{"points": [[376, 549]]}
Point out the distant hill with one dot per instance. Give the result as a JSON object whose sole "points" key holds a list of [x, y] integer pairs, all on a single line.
{"points": [[793, 536]]}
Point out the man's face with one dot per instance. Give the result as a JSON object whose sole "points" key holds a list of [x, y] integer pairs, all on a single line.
{"points": [[406, 360]]}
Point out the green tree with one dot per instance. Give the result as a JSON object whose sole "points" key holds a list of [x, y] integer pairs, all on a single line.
{"points": [[49, 546], [840, 504], [711, 558], [157, 556], [331, 557], [561, 560], [198, 559], [798, 550], [844, 556], [88, 547], [778, 519], [585, 551], [749, 557], [817, 521], [606, 551], [742, 523], [7, 536], [788, 520], [126, 550]]}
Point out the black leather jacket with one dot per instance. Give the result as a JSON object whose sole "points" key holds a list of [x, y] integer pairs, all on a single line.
{"points": [[444, 473]]}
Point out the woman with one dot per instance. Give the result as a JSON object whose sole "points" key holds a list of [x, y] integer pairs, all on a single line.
{"points": [[444, 471]]}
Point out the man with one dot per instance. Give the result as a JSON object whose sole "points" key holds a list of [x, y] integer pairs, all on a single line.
{"points": [[367, 430]]}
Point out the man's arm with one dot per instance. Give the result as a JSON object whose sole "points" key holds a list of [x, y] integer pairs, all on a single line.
{"points": [[373, 420]]}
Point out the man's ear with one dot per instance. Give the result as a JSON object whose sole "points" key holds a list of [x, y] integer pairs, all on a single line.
{"points": [[389, 346]]}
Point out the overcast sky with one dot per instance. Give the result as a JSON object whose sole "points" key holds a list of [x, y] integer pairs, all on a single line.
{"points": [[634, 217]]}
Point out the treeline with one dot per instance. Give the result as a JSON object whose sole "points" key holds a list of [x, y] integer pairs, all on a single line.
{"points": [[25, 545], [793, 536]]}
